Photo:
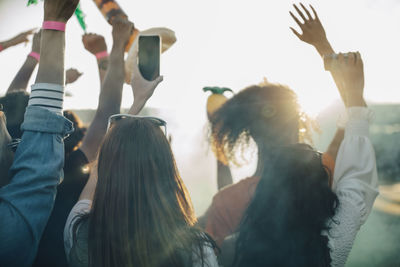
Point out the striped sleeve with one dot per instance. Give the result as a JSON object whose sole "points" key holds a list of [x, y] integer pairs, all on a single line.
{"points": [[48, 96]]}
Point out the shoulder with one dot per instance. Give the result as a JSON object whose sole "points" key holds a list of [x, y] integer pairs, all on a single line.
{"points": [[243, 188]]}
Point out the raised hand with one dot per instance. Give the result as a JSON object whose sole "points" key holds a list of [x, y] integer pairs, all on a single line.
{"points": [[20, 38], [142, 88], [71, 75], [313, 32], [350, 67], [94, 43], [59, 10], [122, 30]]}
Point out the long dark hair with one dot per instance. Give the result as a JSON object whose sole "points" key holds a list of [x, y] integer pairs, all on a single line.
{"points": [[142, 214], [267, 113], [285, 223]]}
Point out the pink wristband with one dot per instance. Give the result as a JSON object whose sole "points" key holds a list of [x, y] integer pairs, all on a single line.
{"points": [[101, 55], [1, 48], [35, 55], [54, 25]]}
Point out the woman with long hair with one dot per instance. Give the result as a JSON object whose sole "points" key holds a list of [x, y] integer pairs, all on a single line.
{"points": [[268, 114], [141, 213], [295, 217]]}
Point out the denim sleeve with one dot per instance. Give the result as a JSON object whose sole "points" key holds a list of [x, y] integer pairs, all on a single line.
{"points": [[26, 202]]}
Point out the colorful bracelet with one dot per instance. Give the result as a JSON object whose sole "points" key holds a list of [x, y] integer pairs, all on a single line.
{"points": [[54, 25], [35, 56], [101, 55]]}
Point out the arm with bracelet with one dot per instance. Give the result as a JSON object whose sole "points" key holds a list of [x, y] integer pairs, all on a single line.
{"points": [[26, 202], [20, 82], [97, 46], [111, 89]]}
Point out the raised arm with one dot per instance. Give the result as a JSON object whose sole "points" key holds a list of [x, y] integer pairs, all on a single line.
{"points": [[97, 46], [23, 76], [20, 38], [313, 33], [355, 178], [26, 202], [111, 91]]}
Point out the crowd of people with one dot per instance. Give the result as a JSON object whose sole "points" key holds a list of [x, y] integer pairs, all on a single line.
{"points": [[111, 194]]}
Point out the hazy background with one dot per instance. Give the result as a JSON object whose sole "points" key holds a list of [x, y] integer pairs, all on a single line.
{"points": [[234, 44]]}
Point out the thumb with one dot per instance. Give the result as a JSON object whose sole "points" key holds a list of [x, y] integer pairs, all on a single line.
{"points": [[158, 80]]}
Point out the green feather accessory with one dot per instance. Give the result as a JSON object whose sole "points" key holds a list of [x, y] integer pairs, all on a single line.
{"points": [[80, 16], [78, 13]]}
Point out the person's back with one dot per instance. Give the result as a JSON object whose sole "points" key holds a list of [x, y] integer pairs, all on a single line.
{"points": [[140, 204]]}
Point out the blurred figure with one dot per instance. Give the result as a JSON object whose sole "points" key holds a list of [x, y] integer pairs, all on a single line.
{"points": [[135, 209], [295, 218], [27, 198], [268, 114], [20, 38], [81, 149]]}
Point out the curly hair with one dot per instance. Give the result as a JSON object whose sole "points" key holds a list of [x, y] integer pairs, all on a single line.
{"points": [[267, 113], [287, 222]]}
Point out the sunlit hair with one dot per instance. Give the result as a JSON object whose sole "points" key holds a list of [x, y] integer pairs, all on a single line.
{"points": [[73, 141], [267, 113], [142, 214], [14, 104], [288, 219]]}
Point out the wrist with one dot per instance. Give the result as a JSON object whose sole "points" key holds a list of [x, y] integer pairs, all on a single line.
{"points": [[324, 48], [101, 55], [54, 25], [4, 45], [355, 99], [34, 55]]}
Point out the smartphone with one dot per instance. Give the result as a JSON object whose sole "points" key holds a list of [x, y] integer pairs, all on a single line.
{"points": [[149, 56]]}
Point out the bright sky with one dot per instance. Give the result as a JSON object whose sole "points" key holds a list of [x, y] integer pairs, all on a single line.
{"points": [[230, 43]]}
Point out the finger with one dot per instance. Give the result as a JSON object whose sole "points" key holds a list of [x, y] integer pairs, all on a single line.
{"points": [[31, 31], [350, 58], [307, 12], [315, 13], [300, 13], [296, 33], [359, 60], [296, 19]]}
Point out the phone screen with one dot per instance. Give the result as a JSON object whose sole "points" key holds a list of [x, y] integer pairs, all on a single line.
{"points": [[149, 56]]}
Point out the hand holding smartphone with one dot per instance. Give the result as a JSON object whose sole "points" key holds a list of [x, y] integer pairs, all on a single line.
{"points": [[149, 56]]}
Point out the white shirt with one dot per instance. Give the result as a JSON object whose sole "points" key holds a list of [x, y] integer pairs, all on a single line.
{"points": [[355, 183]]}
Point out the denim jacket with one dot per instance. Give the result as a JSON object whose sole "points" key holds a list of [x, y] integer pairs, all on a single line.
{"points": [[26, 202]]}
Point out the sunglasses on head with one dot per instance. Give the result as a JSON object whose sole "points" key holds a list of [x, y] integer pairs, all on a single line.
{"points": [[13, 145], [156, 121]]}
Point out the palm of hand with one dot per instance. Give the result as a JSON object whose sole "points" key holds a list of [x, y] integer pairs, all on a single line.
{"points": [[313, 32]]}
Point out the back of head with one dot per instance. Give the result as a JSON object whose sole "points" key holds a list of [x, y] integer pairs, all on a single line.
{"points": [[292, 207], [267, 113], [142, 214], [73, 141], [14, 104]]}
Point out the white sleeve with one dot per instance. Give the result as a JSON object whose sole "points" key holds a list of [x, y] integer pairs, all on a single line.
{"points": [[80, 208], [355, 183]]}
